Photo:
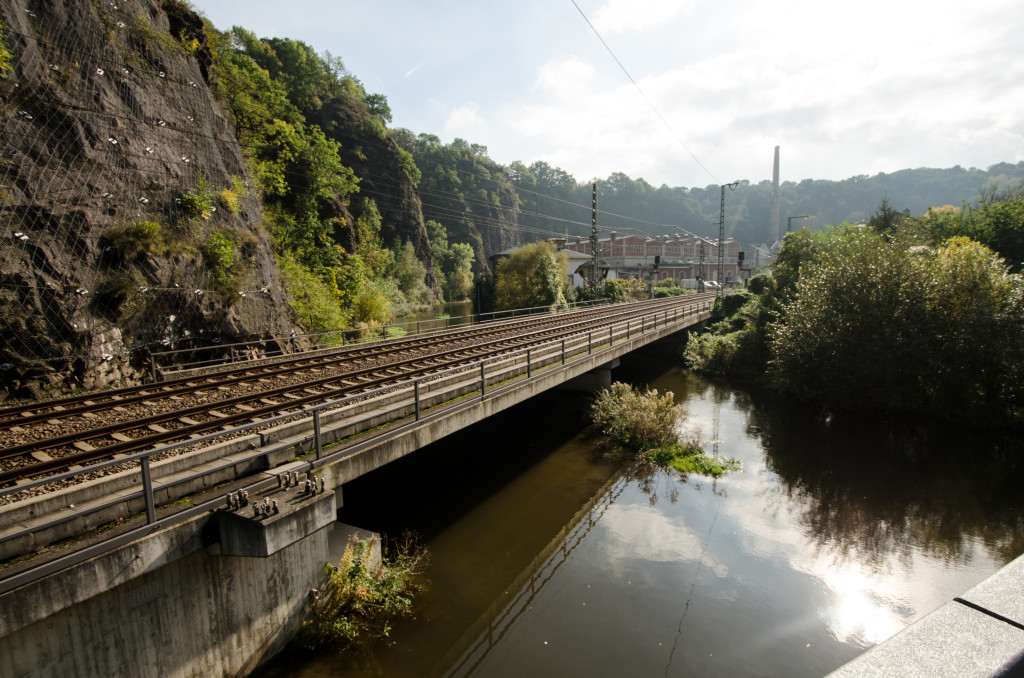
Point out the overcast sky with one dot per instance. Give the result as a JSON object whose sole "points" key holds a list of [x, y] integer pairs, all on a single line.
{"points": [[844, 88]]}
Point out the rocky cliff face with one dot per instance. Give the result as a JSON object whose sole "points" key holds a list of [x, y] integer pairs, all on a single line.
{"points": [[125, 223], [489, 228], [495, 230], [375, 160]]}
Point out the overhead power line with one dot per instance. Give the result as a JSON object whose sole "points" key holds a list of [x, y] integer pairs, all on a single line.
{"points": [[654, 108]]}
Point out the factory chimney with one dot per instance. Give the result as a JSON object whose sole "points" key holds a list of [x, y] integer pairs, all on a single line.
{"points": [[776, 218]]}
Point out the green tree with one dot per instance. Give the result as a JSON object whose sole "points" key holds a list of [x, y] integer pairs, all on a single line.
{"points": [[459, 279], [878, 322], [999, 224], [314, 301], [371, 306], [532, 276], [410, 274], [378, 260], [378, 105], [886, 220], [453, 263]]}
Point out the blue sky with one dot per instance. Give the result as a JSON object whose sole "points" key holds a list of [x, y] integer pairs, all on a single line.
{"points": [[845, 88]]}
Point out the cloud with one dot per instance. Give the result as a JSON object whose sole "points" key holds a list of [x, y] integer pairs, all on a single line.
{"points": [[620, 16], [841, 94], [465, 121], [565, 79]]}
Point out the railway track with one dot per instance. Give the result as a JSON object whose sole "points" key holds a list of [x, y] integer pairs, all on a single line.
{"points": [[42, 438]]}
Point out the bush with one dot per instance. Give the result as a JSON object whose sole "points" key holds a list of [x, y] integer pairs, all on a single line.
{"points": [[711, 354], [624, 289], [359, 600], [877, 323], [644, 424], [133, 240], [731, 303], [759, 284], [314, 302], [532, 276], [370, 305], [219, 255], [5, 54], [637, 421], [228, 200], [197, 205]]}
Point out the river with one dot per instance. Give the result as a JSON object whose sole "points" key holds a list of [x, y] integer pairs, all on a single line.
{"points": [[549, 560]]}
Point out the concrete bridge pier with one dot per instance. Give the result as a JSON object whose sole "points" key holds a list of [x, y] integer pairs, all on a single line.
{"points": [[214, 596]]}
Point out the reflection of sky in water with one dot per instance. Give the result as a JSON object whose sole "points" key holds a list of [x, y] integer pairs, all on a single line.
{"points": [[722, 578]]}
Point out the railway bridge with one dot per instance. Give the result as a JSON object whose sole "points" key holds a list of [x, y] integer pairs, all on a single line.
{"points": [[179, 527]]}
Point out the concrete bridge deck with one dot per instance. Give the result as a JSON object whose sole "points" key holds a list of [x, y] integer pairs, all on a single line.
{"points": [[239, 577]]}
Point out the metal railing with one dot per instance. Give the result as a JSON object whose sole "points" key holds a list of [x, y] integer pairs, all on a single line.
{"points": [[274, 346]]}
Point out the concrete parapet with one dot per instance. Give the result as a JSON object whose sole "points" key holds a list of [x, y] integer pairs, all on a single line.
{"points": [[980, 633], [72, 511]]}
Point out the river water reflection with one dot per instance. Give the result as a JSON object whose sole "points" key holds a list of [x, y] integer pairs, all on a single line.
{"points": [[549, 561]]}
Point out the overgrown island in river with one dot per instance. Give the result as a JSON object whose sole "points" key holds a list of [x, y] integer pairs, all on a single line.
{"points": [[920, 315]]}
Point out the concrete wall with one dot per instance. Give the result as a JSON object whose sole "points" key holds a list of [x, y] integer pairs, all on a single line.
{"points": [[203, 614]]}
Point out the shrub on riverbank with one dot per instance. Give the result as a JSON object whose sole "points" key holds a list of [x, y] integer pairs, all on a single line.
{"points": [[880, 322], [359, 600], [643, 423], [736, 346], [859, 319]]}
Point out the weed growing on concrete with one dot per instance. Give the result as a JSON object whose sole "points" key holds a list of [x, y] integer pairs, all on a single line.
{"points": [[361, 597]]}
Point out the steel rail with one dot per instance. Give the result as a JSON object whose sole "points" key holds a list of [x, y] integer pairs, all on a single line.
{"points": [[98, 401], [409, 368]]}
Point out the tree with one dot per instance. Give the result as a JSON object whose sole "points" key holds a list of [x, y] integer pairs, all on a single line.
{"points": [[453, 263], [378, 105], [314, 301], [886, 220], [368, 246], [879, 322], [410, 274], [532, 276]]}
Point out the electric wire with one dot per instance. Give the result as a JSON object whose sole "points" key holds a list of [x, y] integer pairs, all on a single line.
{"points": [[644, 95]]}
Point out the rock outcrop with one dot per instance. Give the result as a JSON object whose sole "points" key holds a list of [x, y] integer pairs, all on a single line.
{"points": [[376, 160], [117, 172]]}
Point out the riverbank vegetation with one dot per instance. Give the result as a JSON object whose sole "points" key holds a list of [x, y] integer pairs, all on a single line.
{"points": [[361, 597], [644, 425], [906, 315]]}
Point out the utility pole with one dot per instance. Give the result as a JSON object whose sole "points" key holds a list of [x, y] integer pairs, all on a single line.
{"points": [[700, 271], [593, 236], [721, 238]]}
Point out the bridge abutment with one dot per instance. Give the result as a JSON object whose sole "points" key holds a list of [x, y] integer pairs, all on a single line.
{"points": [[174, 605]]}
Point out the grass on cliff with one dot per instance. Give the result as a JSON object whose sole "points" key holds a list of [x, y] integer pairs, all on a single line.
{"points": [[359, 600], [643, 423], [5, 53]]}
